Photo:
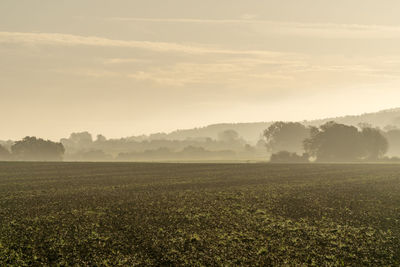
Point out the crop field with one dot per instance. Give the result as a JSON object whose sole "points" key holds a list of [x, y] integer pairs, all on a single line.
{"points": [[110, 214]]}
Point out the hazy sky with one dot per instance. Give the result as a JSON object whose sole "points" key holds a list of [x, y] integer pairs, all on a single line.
{"points": [[127, 67]]}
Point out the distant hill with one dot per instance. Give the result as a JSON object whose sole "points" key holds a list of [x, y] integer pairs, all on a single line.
{"points": [[388, 117], [252, 131], [248, 131]]}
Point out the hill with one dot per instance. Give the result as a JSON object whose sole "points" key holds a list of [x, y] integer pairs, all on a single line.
{"points": [[252, 131]]}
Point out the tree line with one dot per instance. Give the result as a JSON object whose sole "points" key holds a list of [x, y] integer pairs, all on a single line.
{"points": [[281, 142], [330, 142], [83, 147], [33, 149]]}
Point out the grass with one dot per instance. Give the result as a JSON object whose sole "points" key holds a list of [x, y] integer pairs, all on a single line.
{"points": [[109, 214]]}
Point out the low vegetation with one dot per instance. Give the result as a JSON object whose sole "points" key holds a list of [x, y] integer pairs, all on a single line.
{"points": [[112, 214]]}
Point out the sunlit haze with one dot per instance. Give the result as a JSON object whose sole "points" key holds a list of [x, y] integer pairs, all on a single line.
{"points": [[124, 68]]}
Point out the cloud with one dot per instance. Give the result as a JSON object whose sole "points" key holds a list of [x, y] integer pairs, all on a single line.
{"points": [[346, 31], [248, 16], [322, 30], [111, 61], [77, 40], [223, 74], [184, 20]]}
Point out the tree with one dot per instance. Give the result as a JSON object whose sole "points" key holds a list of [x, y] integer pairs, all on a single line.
{"points": [[286, 136], [228, 136], [81, 138], [101, 138], [4, 153], [34, 149], [393, 138], [374, 143], [334, 142], [78, 142], [338, 142]]}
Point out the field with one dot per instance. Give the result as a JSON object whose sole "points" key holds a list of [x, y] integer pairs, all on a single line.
{"points": [[128, 214]]}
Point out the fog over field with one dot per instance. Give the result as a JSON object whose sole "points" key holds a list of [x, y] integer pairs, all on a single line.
{"points": [[199, 133], [368, 137]]}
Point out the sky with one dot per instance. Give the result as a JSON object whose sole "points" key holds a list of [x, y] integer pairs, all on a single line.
{"points": [[130, 67]]}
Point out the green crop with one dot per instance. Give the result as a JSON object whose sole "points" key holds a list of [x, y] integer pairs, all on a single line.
{"points": [[126, 214]]}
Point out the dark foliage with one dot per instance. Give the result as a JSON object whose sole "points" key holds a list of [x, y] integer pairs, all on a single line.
{"points": [[286, 136], [34, 149], [373, 142], [393, 137], [4, 153], [333, 142]]}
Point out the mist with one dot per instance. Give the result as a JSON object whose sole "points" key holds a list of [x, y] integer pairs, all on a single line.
{"points": [[127, 69], [370, 137]]}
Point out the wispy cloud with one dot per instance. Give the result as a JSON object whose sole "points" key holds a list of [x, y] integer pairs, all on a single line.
{"points": [[323, 30], [187, 20], [76, 40], [347, 31], [115, 61], [223, 74]]}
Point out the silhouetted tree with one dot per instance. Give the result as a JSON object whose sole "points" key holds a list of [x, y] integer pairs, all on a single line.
{"points": [[393, 138], [334, 142], [374, 143], [288, 157], [4, 153], [286, 136], [338, 142], [32, 148]]}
